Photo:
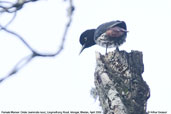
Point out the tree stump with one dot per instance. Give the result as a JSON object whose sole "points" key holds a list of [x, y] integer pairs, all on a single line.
{"points": [[119, 83]]}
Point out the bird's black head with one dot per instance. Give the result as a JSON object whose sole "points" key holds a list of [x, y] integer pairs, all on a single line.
{"points": [[87, 39]]}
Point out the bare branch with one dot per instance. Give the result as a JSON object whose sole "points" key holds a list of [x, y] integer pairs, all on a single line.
{"points": [[14, 6], [70, 13], [18, 36], [9, 21], [18, 66], [27, 59]]}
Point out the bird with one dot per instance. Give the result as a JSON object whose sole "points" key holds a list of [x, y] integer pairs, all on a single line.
{"points": [[108, 35]]}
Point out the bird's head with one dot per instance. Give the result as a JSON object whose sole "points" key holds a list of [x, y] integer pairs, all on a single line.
{"points": [[87, 39]]}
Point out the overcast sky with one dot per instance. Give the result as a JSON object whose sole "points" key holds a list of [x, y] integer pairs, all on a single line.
{"points": [[64, 82]]}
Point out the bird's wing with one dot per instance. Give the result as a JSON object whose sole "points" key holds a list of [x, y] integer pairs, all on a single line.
{"points": [[104, 27]]}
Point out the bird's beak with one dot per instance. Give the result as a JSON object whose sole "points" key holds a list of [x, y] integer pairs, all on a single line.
{"points": [[83, 47], [125, 31]]}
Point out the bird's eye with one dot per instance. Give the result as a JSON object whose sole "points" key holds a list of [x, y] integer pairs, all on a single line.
{"points": [[85, 38]]}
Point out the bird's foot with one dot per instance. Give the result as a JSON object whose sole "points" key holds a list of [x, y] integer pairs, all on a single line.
{"points": [[117, 49]]}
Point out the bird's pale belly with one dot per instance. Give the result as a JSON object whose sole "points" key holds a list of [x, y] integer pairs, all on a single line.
{"points": [[105, 41]]}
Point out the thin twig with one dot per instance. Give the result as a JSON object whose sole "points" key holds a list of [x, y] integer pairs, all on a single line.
{"points": [[9, 21], [14, 6], [18, 36], [27, 59], [70, 13], [6, 9], [18, 66]]}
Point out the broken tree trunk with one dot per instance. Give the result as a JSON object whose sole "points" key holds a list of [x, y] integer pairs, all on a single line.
{"points": [[119, 84]]}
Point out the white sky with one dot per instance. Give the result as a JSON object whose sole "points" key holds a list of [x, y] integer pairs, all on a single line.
{"points": [[64, 82]]}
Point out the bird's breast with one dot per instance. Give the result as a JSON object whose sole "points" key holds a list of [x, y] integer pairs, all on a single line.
{"points": [[103, 40], [111, 38]]}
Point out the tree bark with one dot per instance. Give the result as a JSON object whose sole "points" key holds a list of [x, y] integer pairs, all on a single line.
{"points": [[119, 84]]}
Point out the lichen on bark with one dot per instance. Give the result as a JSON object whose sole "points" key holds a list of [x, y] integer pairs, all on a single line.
{"points": [[119, 83]]}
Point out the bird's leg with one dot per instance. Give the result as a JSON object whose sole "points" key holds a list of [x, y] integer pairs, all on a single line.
{"points": [[117, 49], [106, 48]]}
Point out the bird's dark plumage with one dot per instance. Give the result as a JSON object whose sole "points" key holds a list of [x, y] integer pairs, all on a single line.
{"points": [[110, 34], [87, 39]]}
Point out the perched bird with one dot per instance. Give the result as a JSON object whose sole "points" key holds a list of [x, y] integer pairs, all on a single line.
{"points": [[108, 35]]}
